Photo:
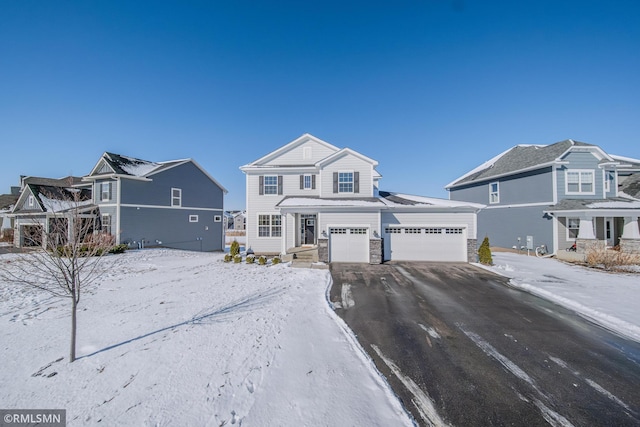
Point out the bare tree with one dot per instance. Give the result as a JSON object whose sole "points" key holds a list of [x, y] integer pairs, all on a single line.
{"points": [[70, 249]]}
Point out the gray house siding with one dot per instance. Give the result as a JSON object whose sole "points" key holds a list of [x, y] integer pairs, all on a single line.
{"points": [[528, 187], [197, 189], [503, 226], [171, 228], [580, 161]]}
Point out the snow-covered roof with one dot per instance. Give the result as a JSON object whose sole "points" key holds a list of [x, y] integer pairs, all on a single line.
{"points": [[386, 200], [400, 199], [616, 203], [341, 202]]}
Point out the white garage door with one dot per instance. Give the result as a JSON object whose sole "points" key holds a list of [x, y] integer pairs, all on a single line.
{"points": [[424, 243], [349, 244]]}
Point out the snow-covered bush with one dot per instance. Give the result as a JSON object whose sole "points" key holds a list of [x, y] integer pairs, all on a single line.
{"points": [[235, 248], [250, 259], [262, 260], [237, 259], [275, 260]]}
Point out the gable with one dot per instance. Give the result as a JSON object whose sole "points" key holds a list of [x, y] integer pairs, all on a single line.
{"points": [[303, 151]]}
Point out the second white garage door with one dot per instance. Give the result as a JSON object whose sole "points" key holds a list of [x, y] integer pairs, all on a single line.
{"points": [[424, 243], [349, 244]]}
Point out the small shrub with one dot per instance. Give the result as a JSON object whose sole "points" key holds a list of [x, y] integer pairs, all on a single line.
{"points": [[118, 249], [227, 257], [484, 252], [275, 260], [262, 260], [599, 256], [235, 248], [250, 259], [237, 259]]}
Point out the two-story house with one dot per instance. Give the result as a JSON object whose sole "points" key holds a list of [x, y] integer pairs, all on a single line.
{"points": [[557, 195], [312, 193], [174, 204]]}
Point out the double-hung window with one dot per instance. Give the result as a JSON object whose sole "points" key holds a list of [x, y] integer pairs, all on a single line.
{"points": [[580, 182], [494, 192], [270, 184], [105, 191], [269, 226], [573, 227], [176, 197], [345, 182], [106, 223], [307, 182]]}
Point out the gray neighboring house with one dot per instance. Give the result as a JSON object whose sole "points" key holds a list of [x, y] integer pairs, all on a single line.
{"points": [[559, 194], [43, 199], [174, 204], [7, 202]]}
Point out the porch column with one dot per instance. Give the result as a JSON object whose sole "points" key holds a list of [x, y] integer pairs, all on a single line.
{"points": [[631, 230], [630, 240], [586, 236]]}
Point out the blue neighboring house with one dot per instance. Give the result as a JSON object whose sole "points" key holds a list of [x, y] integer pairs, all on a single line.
{"points": [[557, 195], [174, 204]]}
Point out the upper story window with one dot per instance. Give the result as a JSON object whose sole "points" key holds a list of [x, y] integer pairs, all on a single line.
{"points": [[609, 179], [176, 197], [580, 182], [494, 192], [307, 182], [31, 201], [345, 182], [270, 184], [105, 191]]}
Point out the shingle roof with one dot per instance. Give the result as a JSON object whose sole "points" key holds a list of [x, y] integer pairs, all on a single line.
{"points": [[582, 204], [7, 201], [631, 186], [518, 158], [123, 165]]}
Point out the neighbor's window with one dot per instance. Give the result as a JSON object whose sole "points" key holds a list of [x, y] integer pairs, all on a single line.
{"points": [[269, 226], [573, 227], [105, 191], [176, 197], [193, 218], [106, 223], [270, 184], [345, 182], [494, 193], [609, 179], [580, 182], [217, 218]]}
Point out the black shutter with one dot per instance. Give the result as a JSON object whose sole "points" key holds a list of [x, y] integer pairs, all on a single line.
{"points": [[356, 182], [335, 182], [313, 182], [302, 182], [279, 184], [261, 190]]}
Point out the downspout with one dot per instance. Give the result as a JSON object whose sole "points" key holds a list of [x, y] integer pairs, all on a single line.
{"points": [[118, 193]]}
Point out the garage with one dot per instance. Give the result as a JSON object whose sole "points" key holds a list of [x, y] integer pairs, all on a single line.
{"points": [[349, 244], [425, 243]]}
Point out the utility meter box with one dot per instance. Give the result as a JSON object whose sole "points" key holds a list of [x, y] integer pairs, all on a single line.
{"points": [[530, 242]]}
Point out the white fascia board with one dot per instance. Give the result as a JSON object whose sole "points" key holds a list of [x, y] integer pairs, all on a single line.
{"points": [[344, 152], [115, 176], [98, 163], [477, 169], [502, 175], [301, 139], [196, 164], [274, 169]]}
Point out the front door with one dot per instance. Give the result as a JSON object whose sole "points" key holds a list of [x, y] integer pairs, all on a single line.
{"points": [[307, 229]]}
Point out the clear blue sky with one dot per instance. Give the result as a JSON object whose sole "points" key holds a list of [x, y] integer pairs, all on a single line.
{"points": [[428, 88]]}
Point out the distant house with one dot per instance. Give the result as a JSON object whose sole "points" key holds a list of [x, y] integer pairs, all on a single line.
{"points": [[173, 204], [239, 221], [312, 194], [7, 202], [43, 200], [557, 195]]}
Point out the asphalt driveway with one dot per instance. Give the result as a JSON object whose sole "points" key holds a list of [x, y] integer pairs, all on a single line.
{"points": [[460, 347]]}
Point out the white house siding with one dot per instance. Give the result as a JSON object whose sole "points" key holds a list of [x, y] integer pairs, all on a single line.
{"points": [[433, 218], [295, 156], [359, 219], [347, 163]]}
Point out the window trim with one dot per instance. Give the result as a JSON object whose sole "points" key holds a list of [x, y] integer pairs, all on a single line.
{"points": [[217, 218], [492, 199], [353, 182], [31, 201], [108, 192], [108, 226], [177, 198], [272, 185], [270, 226], [304, 182], [194, 218], [577, 228], [580, 172]]}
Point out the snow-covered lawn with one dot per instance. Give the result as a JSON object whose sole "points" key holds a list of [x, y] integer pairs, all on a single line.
{"points": [[609, 299], [172, 338]]}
